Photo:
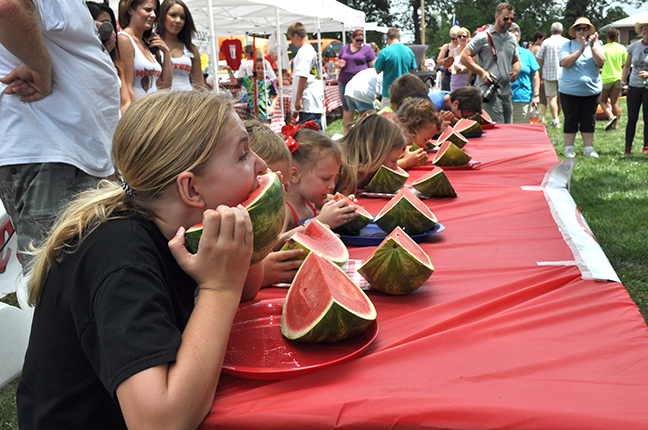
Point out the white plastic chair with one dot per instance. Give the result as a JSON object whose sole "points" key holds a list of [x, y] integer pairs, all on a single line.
{"points": [[15, 326]]}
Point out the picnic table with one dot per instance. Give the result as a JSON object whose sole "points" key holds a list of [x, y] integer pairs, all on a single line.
{"points": [[523, 324]]}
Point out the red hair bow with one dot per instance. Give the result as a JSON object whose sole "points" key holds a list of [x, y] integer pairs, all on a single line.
{"points": [[289, 132]]}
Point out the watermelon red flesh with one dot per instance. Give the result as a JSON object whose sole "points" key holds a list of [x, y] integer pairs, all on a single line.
{"points": [[435, 183], [451, 155], [324, 305], [319, 239], [398, 266], [387, 180], [358, 223], [468, 127], [266, 208], [407, 211]]}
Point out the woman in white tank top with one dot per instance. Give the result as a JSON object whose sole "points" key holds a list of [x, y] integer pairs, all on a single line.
{"points": [[143, 74], [176, 30]]}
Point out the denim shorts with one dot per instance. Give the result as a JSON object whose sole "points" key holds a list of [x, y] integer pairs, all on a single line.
{"points": [[358, 105]]}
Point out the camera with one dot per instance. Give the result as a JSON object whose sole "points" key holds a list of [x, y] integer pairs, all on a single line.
{"points": [[489, 93]]}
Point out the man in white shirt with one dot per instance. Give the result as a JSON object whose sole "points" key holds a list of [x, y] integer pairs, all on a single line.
{"points": [[550, 70], [247, 67], [308, 87], [59, 106]]}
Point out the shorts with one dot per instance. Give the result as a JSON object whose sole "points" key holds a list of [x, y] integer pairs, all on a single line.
{"points": [[543, 94], [615, 84], [551, 88], [580, 112], [357, 105], [341, 88], [42, 190]]}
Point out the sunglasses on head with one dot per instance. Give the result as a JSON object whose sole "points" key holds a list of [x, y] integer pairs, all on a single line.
{"points": [[585, 28], [359, 40], [508, 18]]}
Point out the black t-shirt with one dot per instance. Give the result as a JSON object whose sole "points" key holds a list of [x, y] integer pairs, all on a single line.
{"points": [[116, 306]]}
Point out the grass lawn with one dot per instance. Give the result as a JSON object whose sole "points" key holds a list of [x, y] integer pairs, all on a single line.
{"points": [[611, 192]]}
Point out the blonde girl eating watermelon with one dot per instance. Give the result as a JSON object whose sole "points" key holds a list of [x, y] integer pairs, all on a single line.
{"points": [[372, 142], [116, 340]]}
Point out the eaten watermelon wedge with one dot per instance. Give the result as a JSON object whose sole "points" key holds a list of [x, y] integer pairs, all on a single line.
{"points": [[435, 183], [482, 118], [450, 134], [319, 239], [387, 180], [451, 155], [425, 158], [398, 266], [266, 208], [324, 305], [358, 223], [408, 212]]}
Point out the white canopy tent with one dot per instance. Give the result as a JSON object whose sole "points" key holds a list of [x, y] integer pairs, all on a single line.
{"points": [[229, 17]]}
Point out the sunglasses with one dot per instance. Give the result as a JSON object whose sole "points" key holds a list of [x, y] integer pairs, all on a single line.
{"points": [[508, 18], [586, 28], [453, 38], [462, 37], [359, 40]]}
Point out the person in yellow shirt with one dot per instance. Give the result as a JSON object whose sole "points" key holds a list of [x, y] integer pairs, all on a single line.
{"points": [[611, 73]]}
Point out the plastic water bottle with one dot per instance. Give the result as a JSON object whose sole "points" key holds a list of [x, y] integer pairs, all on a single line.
{"points": [[534, 116]]}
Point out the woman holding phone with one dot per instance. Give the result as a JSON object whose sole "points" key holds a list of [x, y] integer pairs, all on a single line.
{"points": [[580, 85], [145, 71]]}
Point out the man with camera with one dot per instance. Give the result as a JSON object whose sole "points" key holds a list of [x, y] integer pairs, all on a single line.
{"points": [[497, 65]]}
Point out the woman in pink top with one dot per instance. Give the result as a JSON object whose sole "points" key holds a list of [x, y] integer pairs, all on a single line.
{"points": [[357, 56]]}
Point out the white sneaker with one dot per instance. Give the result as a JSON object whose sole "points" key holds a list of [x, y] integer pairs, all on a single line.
{"points": [[590, 152], [555, 123], [611, 123], [569, 152]]}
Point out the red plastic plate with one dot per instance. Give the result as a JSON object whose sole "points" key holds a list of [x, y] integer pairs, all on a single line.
{"points": [[258, 350]]}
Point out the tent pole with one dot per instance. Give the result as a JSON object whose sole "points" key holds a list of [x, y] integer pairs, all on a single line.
{"points": [[321, 68], [280, 66], [213, 66]]}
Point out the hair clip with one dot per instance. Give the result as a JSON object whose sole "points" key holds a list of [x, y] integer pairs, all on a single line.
{"points": [[128, 190], [289, 132]]}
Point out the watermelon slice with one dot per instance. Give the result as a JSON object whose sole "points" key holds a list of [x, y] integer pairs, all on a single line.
{"points": [[425, 158], [407, 211], [450, 155], [398, 266], [387, 180], [468, 127], [266, 208], [435, 183], [324, 305], [358, 223], [319, 239], [450, 134], [482, 118]]}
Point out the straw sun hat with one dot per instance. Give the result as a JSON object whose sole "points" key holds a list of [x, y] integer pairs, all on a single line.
{"points": [[579, 21], [640, 24]]}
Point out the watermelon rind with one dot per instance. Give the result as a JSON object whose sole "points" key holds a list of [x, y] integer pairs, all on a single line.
{"points": [[404, 214], [468, 127], [356, 224], [425, 158], [298, 241], [451, 155], [267, 213], [318, 279], [435, 184], [393, 268], [452, 135], [387, 180]]}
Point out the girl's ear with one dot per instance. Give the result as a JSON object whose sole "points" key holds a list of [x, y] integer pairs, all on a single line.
{"points": [[187, 190], [295, 175]]}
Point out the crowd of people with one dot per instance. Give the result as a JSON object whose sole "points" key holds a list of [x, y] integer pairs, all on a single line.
{"points": [[101, 188]]}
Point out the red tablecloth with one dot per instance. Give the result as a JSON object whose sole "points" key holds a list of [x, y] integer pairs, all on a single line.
{"points": [[505, 334]]}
